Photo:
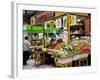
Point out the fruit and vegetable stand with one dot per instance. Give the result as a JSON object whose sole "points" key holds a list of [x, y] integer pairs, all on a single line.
{"points": [[75, 54], [66, 60]]}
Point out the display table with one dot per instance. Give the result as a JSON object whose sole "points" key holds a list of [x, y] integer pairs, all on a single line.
{"points": [[72, 60], [75, 60], [80, 59], [80, 56], [63, 62]]}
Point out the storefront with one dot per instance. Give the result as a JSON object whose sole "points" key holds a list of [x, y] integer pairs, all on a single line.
{"points": [[57, 39]]}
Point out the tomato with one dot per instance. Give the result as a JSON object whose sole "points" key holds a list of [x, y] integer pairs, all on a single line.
{"points": [[85, 48]]}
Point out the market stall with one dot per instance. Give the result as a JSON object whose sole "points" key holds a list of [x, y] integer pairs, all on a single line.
{"points": [[60, 39]]}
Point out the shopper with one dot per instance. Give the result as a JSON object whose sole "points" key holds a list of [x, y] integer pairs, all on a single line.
{"points": [[26, 53]]}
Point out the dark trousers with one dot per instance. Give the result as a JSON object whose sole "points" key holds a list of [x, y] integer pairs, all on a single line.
{"points": [[49, 59], [26, 55]]}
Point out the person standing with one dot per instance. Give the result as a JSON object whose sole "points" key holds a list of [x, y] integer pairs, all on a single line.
{"points": [[26, 54]]}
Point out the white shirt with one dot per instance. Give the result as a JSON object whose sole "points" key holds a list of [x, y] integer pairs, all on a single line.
{"points": [[26, 45]]}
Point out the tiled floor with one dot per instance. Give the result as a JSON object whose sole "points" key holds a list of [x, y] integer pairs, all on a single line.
{"points": [[30, 65]]}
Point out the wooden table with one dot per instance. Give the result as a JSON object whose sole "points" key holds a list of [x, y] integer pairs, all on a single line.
{"points": [[74, 60]]}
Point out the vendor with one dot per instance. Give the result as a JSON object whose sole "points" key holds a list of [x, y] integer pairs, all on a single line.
{"points": [[52, 45], [49, 59], [26, 54]]}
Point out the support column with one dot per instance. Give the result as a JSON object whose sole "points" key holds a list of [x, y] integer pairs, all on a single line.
{"points": [[68, 27]]}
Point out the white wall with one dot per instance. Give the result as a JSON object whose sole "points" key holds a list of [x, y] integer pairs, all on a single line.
{"points": [[5, 40]]}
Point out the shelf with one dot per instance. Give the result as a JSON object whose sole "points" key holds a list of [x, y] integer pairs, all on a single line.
{"points": [[72, 25], [78, 34], [36, 39], [65, 14], [54, 18]]}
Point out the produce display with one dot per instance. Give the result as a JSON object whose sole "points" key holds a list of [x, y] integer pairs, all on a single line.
{"points": [[81, 45], [62, 51], [77, 46]]}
